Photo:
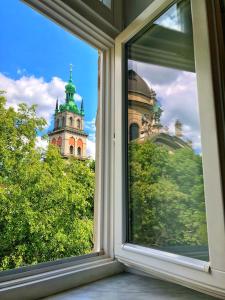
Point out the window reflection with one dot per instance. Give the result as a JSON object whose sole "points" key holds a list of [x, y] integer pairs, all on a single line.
{"points": [[165, 177], [107, 3]]}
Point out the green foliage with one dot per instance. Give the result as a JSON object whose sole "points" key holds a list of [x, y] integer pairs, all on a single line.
{"points": [[46, 205], [166, 196]]}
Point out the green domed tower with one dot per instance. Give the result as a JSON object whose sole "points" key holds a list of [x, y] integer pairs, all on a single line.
{"points": [[70, 90], [68, 133]]}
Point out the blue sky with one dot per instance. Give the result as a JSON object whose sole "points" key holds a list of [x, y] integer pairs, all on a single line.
{"points": [[36, 53]]}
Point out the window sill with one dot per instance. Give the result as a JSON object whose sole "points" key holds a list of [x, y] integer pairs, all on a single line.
{"points": [[52, 282]]}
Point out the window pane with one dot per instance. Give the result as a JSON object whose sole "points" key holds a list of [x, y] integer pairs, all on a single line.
{"points": [[47, 139], [165, 177]]}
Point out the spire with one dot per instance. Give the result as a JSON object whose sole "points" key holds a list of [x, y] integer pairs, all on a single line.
{"points": [[71, 73], [82, 107], [70, 90], [57, 105], [70, 87]]}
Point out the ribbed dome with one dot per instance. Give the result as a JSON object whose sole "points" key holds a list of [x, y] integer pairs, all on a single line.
{"points": [[137, 85]]}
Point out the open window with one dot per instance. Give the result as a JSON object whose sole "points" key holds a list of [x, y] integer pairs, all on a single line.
{"points": [[138, 223], [167, 184], [68, 142], [166, 206], [45, 103]]}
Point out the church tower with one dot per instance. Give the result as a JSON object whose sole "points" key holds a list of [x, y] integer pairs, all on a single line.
{"points": [[68, 133]]}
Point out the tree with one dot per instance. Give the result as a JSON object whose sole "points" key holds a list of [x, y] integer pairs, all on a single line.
{"points": [[166, 196], [46, 205]]}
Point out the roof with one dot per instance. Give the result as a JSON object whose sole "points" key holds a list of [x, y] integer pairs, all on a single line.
{"points": [[138, 85], [70, 104], [164, 139]]}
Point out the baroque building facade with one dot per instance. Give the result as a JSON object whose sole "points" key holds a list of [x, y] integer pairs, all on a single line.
{"points": [[68, 133], [144, 114]]}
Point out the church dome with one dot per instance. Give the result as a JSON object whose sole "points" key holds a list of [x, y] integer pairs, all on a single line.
{"points": [[137, 85]]}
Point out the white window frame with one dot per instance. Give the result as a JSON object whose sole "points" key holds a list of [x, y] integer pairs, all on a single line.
{"points": [[208, 277], [40, 281], [48, 278]]}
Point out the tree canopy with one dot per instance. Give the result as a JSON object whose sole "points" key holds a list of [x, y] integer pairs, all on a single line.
{"points": [[46, 204], [166, 196]]}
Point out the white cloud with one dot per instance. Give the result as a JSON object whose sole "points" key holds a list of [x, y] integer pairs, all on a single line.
{"points": [[92, 137], [91, 148], [41, 143], [32, 90], [170, 19], [90, 124], [91, 128], [179, 102], [153, 73], [77, 97]]}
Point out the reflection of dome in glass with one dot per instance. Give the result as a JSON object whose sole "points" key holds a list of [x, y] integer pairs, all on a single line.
{"points": [[137, 85]]}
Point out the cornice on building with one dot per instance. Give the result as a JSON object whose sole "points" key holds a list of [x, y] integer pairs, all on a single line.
{"points": [[68, 129]]}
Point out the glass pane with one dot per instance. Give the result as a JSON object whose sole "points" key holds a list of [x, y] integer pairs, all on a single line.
{"points": [[165, 177], [47, 139]]}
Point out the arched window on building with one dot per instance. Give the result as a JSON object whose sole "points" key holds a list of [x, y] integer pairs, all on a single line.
{"points": [[79, 147], [71, 122], [72, 141], [71, 150], [79, 151], [54, 141], [63, 122], [59, 141], [78, 123], [134, 131]]}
